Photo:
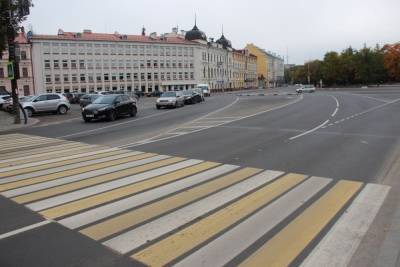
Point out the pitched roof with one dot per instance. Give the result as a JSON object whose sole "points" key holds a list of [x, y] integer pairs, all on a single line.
{"points": [[21, 38], [88, 36]]}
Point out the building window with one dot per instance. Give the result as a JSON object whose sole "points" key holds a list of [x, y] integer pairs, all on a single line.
{"points": [[174, 64], [106, 77], [186, 75], [48, 78], [72, 48], [162, 76], [113, 64], [23, 55], [121, 64], [65, 64], [56, 64], [1, 73], [161, 64], [47, 64], [192, 75], [74, 78], [128, 76], [66, 78], [81, 49], [90, 64], [180, 64], [90, 78], [148, 64], [155, 64], [73, 64], [142, 77], [46, 48], [180, 75], [57, 78], [135, 76], [64, 49], [174, 76], [155, 76], [83, 78], [142, 64], [25, 72], [114, 77], [121, 76], [168, 76], [81, 64]]}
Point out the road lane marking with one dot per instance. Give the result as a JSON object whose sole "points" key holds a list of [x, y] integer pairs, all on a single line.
{"points": [[113, 125], [309, 131], [157, 138], [339, 244], [125, 191], [223, 249], [47, 152], [91, 181], [113, 155], [4, 172], [42, 182], [24, 229], [282, 249], [82, 196], [116, 207], [171, 247], [76, 151], [169, 204], [58, 163]]}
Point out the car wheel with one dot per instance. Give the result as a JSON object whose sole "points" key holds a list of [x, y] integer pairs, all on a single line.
{"points": [[112, 115], [29, 112], [176, 104], [62, 110], [158, 107], [133, 112]]}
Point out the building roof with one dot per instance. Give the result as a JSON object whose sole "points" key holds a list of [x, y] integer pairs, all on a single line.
{"points": [[21, 38], [116, 37], [224, 42], [195, 34]]}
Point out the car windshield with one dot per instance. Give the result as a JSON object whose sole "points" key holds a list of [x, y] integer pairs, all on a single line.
{"points": [[168, 94], [106, 99]]}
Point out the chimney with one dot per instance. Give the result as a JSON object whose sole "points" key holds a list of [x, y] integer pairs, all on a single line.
{"points": [[143, 31]]}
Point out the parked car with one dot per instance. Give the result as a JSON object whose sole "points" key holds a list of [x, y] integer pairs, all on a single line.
{"points": [[309, 88], [76, 98], [171, 99], [69, 96], [3, 99], [46, 103], [205, 88], [88, 99], [154, 94], [8, 104], [109, 107], [139, 93], [192, 96]]}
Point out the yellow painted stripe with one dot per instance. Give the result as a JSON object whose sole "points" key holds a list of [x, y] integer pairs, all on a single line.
{"points": [[29, 144], [57, 164], [41, 150], [78, 150], [75, 171], [125, 191], [285, 246], [119, 223], [23, 139], [93, 181], [164, 251]]}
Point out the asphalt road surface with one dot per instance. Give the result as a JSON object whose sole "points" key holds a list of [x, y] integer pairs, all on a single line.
{"points": [[241, 179]]}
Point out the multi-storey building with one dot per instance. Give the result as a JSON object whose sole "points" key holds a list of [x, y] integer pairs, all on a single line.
{"points": [[245, 69], [270, 67], [88, 62], [23, 54]]}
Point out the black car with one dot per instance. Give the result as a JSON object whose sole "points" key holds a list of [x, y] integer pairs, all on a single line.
{"points": [[192, 97], [109, 107], [75, 98], [88, 99]]}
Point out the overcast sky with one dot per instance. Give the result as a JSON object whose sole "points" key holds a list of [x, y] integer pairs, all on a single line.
{"points": [[306, 28]]}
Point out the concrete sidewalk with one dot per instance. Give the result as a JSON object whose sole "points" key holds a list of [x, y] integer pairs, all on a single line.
{"points": [[7, 122]]}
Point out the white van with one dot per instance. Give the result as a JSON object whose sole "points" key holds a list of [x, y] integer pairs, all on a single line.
{"points": [[205, 88]]}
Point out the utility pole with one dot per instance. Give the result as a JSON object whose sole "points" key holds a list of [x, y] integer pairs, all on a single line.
{"points": [[308, 72], [13, 62]]}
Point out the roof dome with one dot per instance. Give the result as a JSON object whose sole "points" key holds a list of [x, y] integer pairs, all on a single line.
{"points": [[195, 34], [224, 42]]}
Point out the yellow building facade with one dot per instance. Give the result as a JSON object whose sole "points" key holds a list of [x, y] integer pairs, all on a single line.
{"points": [[262, 62]]}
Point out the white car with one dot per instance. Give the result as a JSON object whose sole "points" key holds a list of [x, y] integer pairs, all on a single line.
{"points": [[306, 89], [47, 103], [171, 99], [205, 88]]}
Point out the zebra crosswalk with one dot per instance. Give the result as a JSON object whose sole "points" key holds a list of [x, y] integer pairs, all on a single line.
{"points": [[165, 210]]}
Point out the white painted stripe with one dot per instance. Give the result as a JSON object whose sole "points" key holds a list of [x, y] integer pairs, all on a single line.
{"points": [[43, 154], [33, 164], [334, 113], [24, 229], [78, 177], [338, 246], [136, 200], [67, 167], [141, 235], [68, 197], [223, 249], [310, 131]]}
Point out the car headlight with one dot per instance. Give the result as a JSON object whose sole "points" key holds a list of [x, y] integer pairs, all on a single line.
{"points": [[83, 109]]}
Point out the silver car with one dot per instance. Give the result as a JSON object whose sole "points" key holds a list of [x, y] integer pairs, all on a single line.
{"points": [[47, 103], [306, 89], [171, 99]]}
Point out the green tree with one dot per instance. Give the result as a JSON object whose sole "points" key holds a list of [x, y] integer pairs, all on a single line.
{"points": [[391, 59], [332, 68]]}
